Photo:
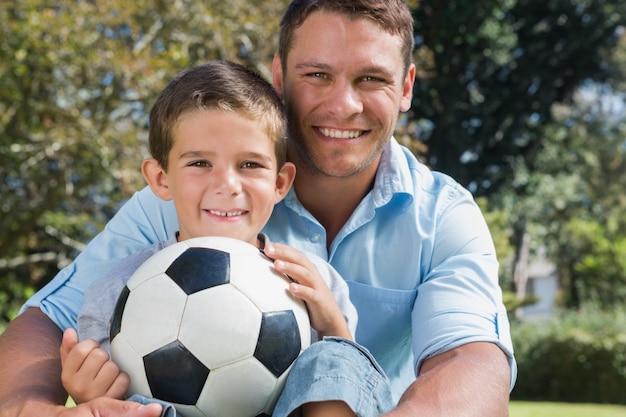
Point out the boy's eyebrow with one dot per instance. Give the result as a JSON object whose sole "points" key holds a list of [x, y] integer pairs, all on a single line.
{"points": [[246, 154], [193, 154]]}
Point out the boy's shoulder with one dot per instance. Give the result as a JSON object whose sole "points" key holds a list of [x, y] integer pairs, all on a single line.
{"points": [[120, 273]]}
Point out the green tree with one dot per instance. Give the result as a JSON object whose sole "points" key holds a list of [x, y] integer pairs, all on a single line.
{"points": [[573, 201], [491, 71], [76, 82]]}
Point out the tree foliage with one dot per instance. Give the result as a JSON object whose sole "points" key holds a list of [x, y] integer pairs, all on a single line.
{"points": [[493, 105], [492, 71], [76, 82]]}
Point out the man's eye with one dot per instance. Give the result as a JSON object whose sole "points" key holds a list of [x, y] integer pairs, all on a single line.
{"points": [[318, 75], [373, 79]]}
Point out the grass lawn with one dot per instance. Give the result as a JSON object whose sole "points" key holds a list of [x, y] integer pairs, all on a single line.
{"points": [[541, 409]]}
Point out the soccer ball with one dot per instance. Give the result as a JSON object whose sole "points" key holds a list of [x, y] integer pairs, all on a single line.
{"points": [[208, 325]]}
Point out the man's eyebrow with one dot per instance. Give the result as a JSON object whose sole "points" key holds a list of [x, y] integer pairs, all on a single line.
{"points": [[312, 64], [374, 69]]}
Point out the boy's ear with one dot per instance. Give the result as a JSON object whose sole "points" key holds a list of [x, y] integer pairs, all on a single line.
{"points": [[277, 75], [284, 179], [156, 177]]}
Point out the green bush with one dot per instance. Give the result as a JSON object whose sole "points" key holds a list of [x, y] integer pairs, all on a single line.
{"points": [[574, 357]]}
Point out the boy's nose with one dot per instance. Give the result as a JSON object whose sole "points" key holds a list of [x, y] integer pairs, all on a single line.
{"points": [[227, 182]]}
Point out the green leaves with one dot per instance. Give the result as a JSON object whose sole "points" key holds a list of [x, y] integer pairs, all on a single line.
{"points": [[77, 80]]}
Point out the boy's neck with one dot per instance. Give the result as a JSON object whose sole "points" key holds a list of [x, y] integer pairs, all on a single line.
{"points": [[260, 240]]}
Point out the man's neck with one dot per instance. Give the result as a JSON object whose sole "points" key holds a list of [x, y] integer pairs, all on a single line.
{"points": [[333, 200]]}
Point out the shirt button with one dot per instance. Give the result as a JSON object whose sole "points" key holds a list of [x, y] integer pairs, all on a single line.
{"points": [[315, 237]]}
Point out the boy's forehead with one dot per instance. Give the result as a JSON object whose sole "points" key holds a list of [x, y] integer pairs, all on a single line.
{"points": [[225, 125]]}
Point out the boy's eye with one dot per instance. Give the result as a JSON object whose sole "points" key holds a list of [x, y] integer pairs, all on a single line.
{"points": [[251, 164], [201, 164]]}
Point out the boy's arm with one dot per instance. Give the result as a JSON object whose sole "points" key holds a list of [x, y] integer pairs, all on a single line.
{"points": [[325, 314]]}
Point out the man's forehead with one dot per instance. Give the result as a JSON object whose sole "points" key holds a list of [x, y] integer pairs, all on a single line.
{"points": [[315, 42]]}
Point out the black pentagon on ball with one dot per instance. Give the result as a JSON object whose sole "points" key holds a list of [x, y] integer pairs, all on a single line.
{"points": [[279, 341], [197, 269], [116, 320], [174, 374]]}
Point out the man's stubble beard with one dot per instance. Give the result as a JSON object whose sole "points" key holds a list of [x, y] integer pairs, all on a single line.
{"points": [[307, 160]]}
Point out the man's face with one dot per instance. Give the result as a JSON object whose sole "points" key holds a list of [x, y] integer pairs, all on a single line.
{"points": [[343, 86]]}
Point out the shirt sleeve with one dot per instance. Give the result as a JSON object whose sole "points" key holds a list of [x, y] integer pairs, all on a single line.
{"points": [[460, 300], [140, 222]]}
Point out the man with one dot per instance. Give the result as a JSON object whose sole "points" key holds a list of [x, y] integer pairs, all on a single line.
{"points": [[411, 244]]}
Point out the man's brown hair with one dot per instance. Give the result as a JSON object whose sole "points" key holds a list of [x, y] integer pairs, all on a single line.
{"points": [[393, 16]]}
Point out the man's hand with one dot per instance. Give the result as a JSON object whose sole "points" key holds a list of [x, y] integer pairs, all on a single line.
{"points": [[109, 407], [87, 372], [324, 312]]}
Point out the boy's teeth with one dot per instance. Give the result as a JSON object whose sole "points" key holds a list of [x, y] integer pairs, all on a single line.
{"points": [[226, 213]]}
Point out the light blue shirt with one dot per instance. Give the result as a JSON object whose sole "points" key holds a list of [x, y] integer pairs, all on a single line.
{"points": [[416, 253]]}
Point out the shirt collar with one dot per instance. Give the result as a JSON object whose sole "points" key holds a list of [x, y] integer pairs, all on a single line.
{"points": [[393, 178]]}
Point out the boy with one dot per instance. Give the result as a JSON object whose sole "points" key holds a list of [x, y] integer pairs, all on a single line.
{"points": [[218, 145]]}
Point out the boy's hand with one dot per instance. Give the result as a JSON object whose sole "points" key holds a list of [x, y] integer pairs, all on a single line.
{"points": [[87, 372], [324, 312]]}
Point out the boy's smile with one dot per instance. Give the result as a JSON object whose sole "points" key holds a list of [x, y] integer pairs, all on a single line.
{"points": [[222, 175]]}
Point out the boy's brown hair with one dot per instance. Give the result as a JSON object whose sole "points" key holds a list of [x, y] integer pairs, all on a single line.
{"points": [[222, 85]]}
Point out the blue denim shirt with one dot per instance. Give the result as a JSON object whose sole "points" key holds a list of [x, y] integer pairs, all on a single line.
{"points": [[416, 253]]}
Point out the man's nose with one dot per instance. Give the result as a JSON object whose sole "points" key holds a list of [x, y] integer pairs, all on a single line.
{"points": [[344, 99]]}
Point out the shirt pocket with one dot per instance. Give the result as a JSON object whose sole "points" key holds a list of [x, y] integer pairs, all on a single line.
{"points": [[384, 318]]}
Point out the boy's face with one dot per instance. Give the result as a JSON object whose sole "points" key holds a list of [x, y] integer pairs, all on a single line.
{"points": [[343, 85], [222, 176]]}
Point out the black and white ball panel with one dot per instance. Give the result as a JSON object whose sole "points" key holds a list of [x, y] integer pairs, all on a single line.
{"points": [[208, 325]]}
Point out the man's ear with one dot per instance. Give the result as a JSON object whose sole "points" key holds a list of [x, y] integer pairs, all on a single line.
{"points": [[407, 89], [284, 179], [277, 75], [156, 177]]}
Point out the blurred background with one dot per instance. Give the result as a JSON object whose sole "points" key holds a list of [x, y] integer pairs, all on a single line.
{"points": [[522, 101]]}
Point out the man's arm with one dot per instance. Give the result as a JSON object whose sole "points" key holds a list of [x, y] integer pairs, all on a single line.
{"points": [[30, 375], [470, 381]]}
